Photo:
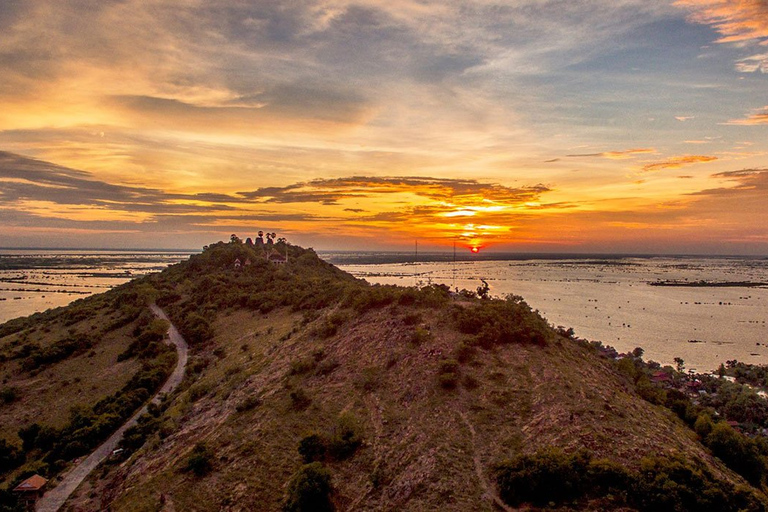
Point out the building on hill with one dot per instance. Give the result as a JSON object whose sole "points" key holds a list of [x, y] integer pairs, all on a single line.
{"points": [[30, 490], [277, 258], [238, 263]]}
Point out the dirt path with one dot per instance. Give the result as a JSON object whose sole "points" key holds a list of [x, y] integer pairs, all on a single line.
{"points": [[53, 500], [488, 490]]}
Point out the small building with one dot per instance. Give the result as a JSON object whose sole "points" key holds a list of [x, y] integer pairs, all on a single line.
{"points": [[30, 490], [277, 258], [661, 377], [238, 264]]}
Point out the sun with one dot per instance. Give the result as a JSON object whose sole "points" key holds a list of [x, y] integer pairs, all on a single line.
{"points": [[475, 250]]}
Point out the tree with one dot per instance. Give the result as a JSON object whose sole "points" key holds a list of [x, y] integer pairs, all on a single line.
{"points": [[482, 291], [234, 239], [679, 364], [721, 370]]}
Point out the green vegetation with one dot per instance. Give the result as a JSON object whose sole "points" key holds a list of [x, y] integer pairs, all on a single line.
{"points": [[496, 322], [92, 326], [200, 461], [720, 399], [553, 477], [326, 391], [310, 490], [340, 443]]}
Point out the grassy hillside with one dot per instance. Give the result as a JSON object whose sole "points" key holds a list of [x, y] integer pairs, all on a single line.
{"points": [[310, 390], [72, 375]]}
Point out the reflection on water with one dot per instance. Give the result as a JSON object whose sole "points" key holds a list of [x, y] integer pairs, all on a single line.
{"points": [[35, 280], [610, 300], [606, 299]]}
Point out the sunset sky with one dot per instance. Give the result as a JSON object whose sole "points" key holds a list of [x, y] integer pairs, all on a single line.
{"points": [[525, 125]]}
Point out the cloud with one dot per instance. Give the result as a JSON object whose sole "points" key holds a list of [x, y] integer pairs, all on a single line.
{"points": [[753, 64], [332, 190], [736, 20], [27, 179], [678, 161], [617, 155], [682, 119], [757, 117]]}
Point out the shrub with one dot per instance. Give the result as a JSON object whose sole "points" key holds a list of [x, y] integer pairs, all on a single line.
{"points": [[9, 394], [310, 490], [494, 322], [299, 399], [345, 437], [302, 366], [420, 335], [312, 448], [326, 367], [551, 476], [10, 456], [448, 373], [250, 402], [200, 461]]}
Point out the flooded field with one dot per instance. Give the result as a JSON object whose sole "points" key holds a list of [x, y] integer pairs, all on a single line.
{"points": [[32, 281], [705, 310]]}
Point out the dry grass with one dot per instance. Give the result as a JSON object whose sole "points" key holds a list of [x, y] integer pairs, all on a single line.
{"points": [[418, 451]]}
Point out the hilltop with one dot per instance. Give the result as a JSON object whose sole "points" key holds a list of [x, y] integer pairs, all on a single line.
{"points": [[308, 389]]}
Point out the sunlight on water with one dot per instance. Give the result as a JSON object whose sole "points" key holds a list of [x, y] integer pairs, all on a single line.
{"points": [[611, 300]]}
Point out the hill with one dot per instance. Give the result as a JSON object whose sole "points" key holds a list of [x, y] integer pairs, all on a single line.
{"points": [[310, 390]]}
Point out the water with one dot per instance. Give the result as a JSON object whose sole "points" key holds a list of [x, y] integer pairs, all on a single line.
{"points": [[36, 280], [605, 299], [610, 300]]}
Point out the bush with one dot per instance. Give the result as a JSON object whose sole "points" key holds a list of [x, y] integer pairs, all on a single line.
{"points": [[420, 335], [9, 394], [345, 437], [250, 402], [299, 399], [301, 366], [661, 484], [310, 490], [10, 456], [200, 461], [448, 373], [312, 448], [343, 440], [495, 322]]}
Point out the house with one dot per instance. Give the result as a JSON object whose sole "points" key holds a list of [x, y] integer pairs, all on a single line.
{"points": [[238, 264], [661, 377], [277, 258], [30, 490]]}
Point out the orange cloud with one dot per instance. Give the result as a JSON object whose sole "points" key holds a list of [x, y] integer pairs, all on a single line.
{"points": [[757, 117], [736, 20], [618, 155], [679, 161]]}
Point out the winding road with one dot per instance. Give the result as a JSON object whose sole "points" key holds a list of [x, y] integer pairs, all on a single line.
{"points": [[53, 500]]}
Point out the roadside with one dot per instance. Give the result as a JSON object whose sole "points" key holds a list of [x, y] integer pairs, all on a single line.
{"points": [[53, 500]]}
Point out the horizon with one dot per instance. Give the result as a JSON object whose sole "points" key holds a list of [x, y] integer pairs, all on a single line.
{"points": [[539, 127], [465, 255]]}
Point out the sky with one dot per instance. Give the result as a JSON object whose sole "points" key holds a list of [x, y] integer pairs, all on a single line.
{"points": [[615, 126]]}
